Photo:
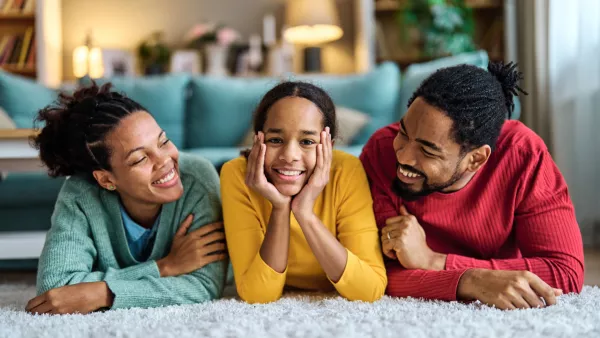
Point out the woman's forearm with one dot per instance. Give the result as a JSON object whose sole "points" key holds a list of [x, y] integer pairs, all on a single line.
{"points": [[274, 249], [330, 253]]}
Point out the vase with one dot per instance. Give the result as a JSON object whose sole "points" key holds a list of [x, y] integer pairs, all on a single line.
{"points": [[216, 59]]}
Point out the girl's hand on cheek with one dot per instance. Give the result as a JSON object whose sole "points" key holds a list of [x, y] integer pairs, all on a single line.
{"points": [[303, 203], [255, 175]]}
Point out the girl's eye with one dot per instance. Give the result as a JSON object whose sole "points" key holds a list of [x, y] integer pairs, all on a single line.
{"points": [[138, 161], [307, 142], [274, 140]]}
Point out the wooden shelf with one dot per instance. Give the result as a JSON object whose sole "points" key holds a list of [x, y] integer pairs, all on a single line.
{"points": [[407, 60], [387, 5], [15, 69], [12, 134], [394, 5], [17, 16]]}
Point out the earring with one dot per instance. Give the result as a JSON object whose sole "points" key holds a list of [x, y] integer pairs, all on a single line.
{"points": [[111, 187]]}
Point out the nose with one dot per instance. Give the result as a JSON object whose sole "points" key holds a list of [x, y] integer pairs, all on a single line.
{"points": [[290, 153], [406, 155], [162, 159]]}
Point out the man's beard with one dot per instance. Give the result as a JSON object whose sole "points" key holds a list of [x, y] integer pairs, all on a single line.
{"points": [[403, 191]]}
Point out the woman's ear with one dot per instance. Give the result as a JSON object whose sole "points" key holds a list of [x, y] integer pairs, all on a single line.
{"points": [[105, 179]]}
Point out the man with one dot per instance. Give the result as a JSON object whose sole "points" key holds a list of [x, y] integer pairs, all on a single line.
{"points": [[471, 207]]}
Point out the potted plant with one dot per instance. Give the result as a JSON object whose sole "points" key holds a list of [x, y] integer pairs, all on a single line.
{"points": [[446, 26], [215, 41], [154, 54]]}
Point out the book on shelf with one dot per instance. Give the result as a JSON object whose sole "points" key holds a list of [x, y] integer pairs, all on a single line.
{"points": [[18, 50], [17, 6]]}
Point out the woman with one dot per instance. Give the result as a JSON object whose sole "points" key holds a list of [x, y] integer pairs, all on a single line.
{"points": [[296, 212], [136, 223]]}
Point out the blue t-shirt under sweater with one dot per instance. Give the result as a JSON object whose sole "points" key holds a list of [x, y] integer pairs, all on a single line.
{"points": [[139, 239]]}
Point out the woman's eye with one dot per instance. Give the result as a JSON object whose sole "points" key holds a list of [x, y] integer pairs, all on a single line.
{"points": [[307, 142], [274, 140], [138, 161], [165, 142]]}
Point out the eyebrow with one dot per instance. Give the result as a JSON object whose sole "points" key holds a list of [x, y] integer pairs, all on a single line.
{"points": [[423, 142], [280, 131], [141, 148]]}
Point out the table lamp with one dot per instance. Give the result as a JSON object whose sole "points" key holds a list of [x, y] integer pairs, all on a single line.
{"points": [[312, 23]]}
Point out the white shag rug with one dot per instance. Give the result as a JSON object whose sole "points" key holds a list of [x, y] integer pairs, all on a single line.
{"points": [[306, 315]]}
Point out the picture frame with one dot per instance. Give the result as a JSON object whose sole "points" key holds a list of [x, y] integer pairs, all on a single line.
{"points": [[118, 62], [186, 61]]}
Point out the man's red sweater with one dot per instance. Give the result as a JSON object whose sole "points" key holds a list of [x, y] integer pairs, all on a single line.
{"points": [[515, 214]]}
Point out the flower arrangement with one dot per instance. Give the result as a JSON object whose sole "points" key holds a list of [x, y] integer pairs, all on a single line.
{"points": [[209, 33]]}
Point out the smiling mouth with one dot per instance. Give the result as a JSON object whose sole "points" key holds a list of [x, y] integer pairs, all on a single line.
{"points": [[167, 178], [408, 174], [290, 173]]}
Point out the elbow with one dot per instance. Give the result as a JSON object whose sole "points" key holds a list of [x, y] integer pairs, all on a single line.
{"points": [[569, 276], [257, 296]]}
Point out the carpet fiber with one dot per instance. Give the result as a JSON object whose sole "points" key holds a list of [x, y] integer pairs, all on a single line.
{"points": [[305, 315]]}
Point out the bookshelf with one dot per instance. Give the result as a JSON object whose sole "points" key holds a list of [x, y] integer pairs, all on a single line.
{"points": [[31, 39], [400, 45]]}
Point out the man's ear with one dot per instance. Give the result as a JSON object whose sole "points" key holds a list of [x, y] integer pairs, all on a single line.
{"points": [[478, 157], [105, 179]]}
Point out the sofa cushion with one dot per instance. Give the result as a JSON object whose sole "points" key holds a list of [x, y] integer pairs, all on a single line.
{"points": [[416, 73], [164, 96], [220, 109], [350, 123], [216, 155], [29, 189], [5, 121], [22, 98], [375, 93]]}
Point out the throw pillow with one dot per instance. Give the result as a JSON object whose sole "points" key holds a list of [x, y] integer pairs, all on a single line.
{"points": [[5, 121], [350, 123]]}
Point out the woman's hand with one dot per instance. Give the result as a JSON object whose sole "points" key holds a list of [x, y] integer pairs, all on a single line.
{"points": [[79, 298], [190, 252], [303, 203], [255, 175]]}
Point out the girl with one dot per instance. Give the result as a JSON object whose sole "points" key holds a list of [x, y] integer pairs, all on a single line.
{"points": [[119, 236], [296, 212]]}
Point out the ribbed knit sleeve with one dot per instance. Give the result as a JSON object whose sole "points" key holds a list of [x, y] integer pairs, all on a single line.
{"points": [[545, 228]]}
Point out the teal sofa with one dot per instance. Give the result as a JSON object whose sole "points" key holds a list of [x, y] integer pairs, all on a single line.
{"points": [[205, 116]]}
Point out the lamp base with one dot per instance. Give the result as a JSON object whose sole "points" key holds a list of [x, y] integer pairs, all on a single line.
{"points": [[312, 59]]}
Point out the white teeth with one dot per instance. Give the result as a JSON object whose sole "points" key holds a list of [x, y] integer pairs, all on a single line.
{"points": [[289, 172], [408, 174], [167, 178]]}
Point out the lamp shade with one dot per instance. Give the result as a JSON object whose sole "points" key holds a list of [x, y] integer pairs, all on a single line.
{"points": [[312, 22]]}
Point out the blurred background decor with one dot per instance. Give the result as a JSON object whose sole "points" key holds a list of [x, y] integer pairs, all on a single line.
{"points": [[186, 61], [87, 60], [154, 55], [311, 23], [215, 41], [119, 62], [446, 27]]}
